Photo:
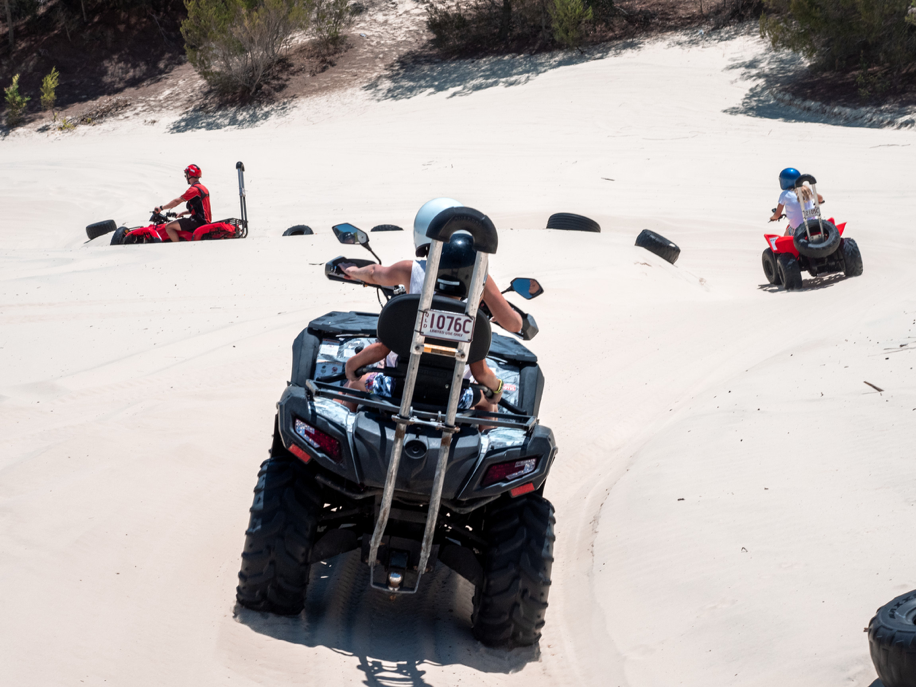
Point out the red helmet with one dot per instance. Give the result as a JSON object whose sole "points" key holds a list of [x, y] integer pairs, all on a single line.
{"points": [[192, 171]]}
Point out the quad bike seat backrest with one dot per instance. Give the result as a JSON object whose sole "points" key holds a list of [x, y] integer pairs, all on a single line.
{"points": [[395, 330]]}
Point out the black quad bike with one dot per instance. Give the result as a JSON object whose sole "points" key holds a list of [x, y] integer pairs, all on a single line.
{"points": [[410, 481]]}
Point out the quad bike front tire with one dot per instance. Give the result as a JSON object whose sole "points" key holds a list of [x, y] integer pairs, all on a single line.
{"points": [[818, 249], [892, 641], [572, 222], [658, 244], [118, 237], [299, 230], [769, 267], [93, 231], [284, 521], [386, 227], [852, 258], [510, 601], [789, 272]]}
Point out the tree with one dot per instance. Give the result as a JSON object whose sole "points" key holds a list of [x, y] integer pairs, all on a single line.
{"points": [[234, 44]]}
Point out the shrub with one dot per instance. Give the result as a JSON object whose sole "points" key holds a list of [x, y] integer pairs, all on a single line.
{"points": [[484, 26], [15, 103], [49, 90], [841, 34], [568, 19], [330, 18], [234, 44]]}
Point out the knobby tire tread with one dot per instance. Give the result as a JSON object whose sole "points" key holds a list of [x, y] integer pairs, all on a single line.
{"points": [[892, 644], [284, 520], [510, 603]]}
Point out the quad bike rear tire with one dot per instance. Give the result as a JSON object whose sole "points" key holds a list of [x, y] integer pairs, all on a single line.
{"points": [[386, 227], [852, 258], [769, 267], [819, 249], [658, 244], [510, 601], [789, 272], [571, 222], [892, 641], [278, 542], [93, 231], [118, 237], [299, 230]]}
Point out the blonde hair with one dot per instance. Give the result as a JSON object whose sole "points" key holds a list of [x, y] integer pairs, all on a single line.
{"points": [[805, 194]]}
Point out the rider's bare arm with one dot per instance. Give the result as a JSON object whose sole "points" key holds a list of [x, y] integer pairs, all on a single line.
{"points": [[777, 213], [370, 355], [170, 204], [484, 375], [503, 313], [382, 275]]}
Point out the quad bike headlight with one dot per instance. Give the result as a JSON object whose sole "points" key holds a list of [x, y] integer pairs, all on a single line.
{"points": [[505, 472], [319, 440]]}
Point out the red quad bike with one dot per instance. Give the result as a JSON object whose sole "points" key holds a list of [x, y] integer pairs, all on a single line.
{"points": [[231, 228], [818, 247]]}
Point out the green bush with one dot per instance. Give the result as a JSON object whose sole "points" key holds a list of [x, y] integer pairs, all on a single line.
{"points": [[329, 19], [49, 90], [568, 17], [15, 103], [486, 26], [841, 34], [234, 44]]}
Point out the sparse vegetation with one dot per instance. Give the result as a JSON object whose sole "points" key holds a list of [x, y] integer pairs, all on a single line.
{"points": [[234, 44], [49, 91], [330, 19], [569, 18], [15, 103], [843, 34]]}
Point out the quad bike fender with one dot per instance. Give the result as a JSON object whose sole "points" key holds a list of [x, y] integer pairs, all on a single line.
{"points": [[786, 244], [216, 230]]}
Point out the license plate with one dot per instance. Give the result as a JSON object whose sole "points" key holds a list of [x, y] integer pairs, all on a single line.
{"points": [[452, 326]]}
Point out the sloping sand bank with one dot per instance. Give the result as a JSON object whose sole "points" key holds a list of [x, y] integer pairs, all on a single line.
{"points": [[733, 501]]}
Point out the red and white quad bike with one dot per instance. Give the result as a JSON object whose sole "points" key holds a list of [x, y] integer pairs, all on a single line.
{"points": [[231, 228], [818, 247]]}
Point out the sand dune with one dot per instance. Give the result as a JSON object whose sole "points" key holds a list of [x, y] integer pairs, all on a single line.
{"points": [[733, 502]]}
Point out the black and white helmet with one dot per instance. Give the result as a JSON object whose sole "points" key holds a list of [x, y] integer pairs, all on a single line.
{"points": [[426, 215]]}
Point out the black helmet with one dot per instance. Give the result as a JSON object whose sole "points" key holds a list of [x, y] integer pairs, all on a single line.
{"points": [[456, 267]]}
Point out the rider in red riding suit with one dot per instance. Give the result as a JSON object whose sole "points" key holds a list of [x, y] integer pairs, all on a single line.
{"points": [[197, 198]]}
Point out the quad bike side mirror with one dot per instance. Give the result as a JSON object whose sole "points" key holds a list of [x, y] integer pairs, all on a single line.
{"points": [[526, 288], [347, 234]]}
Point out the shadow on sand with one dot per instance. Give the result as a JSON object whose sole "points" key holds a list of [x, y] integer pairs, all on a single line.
{"points": [[235, 117], [412, 76], [390, 638], [813, 284]]}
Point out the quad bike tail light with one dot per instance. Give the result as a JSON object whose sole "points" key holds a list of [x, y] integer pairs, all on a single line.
{"points": [[319, 440], [504, 472]]}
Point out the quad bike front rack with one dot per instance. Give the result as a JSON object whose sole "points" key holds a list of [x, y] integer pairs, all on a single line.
{"points": [[440, 230]]}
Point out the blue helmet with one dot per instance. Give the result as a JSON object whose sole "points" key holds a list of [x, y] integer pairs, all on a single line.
{"points": [[788, 177]]}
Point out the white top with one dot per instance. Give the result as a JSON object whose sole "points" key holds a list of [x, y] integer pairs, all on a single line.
{"points": [[794, 212]]}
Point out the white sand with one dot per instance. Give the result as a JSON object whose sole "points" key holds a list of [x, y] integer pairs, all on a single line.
{"points": [[137, 384]]}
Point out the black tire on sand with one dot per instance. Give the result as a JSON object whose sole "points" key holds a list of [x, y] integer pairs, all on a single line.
{"points": [[789, 271], [93, 231], [852, 258], [511, 601], [658, 244], [769, 267], [571, 222], [299, 230], [892, 641], [279, 538]]}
